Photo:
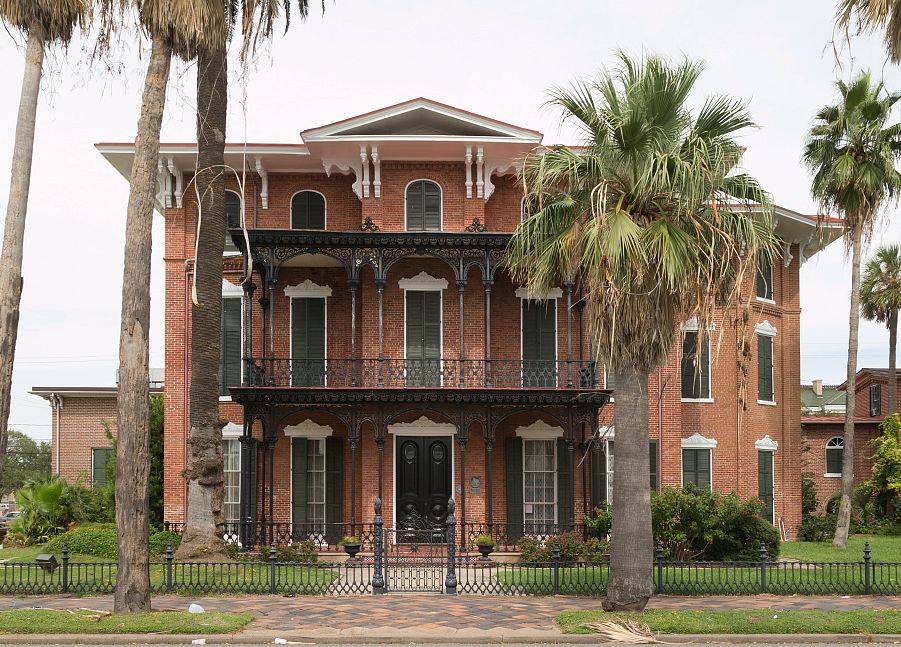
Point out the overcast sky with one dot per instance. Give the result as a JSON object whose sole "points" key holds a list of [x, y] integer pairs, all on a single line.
{"points": [[493, 58]]}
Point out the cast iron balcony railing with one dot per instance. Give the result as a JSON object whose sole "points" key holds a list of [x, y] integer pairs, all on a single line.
{"points": [[403, 373]]}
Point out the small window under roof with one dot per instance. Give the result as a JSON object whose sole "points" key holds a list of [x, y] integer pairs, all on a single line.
{"points": [[421, 121]]}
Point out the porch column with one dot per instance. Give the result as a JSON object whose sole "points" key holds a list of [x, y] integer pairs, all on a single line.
{"points": [[570, 451], [354, 440], [353, 284], [249, 289], [489, 463], [380, 448], [462, 439], [264, 321], [264, 535], [245, 526], [488, 283], [569, 333], [461, 289], [380, 288], [271, 444], [273, 280]]}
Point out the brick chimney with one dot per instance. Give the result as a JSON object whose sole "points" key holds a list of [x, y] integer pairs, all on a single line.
{"points": [[818, 388]]}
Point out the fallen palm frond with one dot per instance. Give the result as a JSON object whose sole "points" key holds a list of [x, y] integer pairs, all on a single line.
{"points": [[628, 632]]}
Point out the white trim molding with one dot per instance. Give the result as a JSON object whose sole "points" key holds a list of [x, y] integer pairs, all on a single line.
{"points": [[423, 426], [229, 289], [766, 328], [422, 281], [539, 430], [308, 289], [308, 429], [766, 444], [606, 432], [697, 441], [526, 293], [692, 325], [232, 431]]}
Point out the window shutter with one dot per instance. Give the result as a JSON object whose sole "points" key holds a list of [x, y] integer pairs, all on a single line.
{"points": [[652, 459], [100, 455], [299, 486], [307, 211], [415, 210], [765, 368], [513, 466], [308, 340], [598, 475], [232, 210], [765, 482], [689, 350], [230, 345], [431, 323], [564, 499], [764, 278], [414, 324], [704, 369], [539, 332], [431, 207], [702, 461], [334, 488]]}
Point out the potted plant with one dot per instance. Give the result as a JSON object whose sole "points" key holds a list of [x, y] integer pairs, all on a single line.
{"points": [[351, 545], [486, 545]]}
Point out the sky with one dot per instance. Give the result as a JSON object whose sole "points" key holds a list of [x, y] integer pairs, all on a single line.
{"points": [[494, 58]]}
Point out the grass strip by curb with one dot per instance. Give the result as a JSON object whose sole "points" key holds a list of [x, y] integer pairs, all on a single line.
{"points": [[757, 621], [54, 621]]}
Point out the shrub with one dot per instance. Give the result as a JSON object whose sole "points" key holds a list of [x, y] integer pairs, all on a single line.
{"points": [[596, 551], [161, 540], [569, 544], [599, 521], [809, 500], [817, 527], [92, 539], [533, 550], [300, 551], [48, 507]]}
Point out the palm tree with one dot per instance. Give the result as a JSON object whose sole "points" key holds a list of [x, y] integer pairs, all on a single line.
{"points": [[851, 150], [43, 22], [880, 300], [874, 15], [652, 218], [179, 27], [204, 471]]}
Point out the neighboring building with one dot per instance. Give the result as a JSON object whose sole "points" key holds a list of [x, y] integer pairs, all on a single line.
{"points": [[78, 443], [823, 435], [348, 376], [818, 399]]}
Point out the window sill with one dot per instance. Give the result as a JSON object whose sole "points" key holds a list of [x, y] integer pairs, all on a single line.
{"points": [[767, 403], [231, 252], [225, 398], [700, 400], [832, 476], [765, 300]]}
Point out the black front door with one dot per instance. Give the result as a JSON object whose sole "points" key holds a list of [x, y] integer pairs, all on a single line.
{"points": [[423, 481]]}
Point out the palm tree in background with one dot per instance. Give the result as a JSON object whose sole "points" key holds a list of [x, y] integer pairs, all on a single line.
{"points": [[874, 15], [851, 150], [653, 220], [43, 22], [880, 300], [204, 470], [174, 27]]}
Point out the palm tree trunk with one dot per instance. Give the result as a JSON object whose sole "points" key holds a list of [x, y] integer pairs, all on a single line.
{"points": [[133, 447], [632, 545], [204, 473], [14, 229], [892, 349], [843, 522]]}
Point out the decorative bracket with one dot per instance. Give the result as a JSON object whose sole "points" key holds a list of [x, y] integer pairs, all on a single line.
{"points": [[264, 178], [176, 173], [377, 172]]}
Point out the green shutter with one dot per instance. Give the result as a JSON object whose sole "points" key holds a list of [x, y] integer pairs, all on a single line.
{"points": [[232, 210], [696, 467], [764, 278], [334, 489], [765, 482], [307, 210], [423, 206], [423, 332], [564, 493], [652, 460], [598, 476], [99, 458], [834, 457], [230, 345], [695, 371], [299, 477], [513, 468], [308, 341], [539, 342], [764, 368]]}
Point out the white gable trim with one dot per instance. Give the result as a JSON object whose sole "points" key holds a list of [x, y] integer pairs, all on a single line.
{"points": [[697, 441], [232, 430], [422, 281], [766, 444], [766, 328], [308, 289], [423, 426], [229, 289], [539, 430], [526, 293], [308, 429]]}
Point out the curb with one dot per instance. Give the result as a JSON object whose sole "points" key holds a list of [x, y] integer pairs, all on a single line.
{"points": [[406, 636]]}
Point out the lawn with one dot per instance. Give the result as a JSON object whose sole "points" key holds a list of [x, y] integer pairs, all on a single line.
{"points": [[761, 621], [52, 621], [882, 549]]}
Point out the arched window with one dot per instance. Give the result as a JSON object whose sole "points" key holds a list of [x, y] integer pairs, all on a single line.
{"points": [[423, 200], [232, 218], [308, 210], [835, 450]]}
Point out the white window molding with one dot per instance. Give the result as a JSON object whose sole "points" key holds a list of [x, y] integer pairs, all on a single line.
{"points": [[531, 295], [697, 441], [229, 289], [308, 429], [766, 444], [606, 433], [308, 289], [539, 430], [423, 426], [423, 281], [232, 430], [692, 325], [766, 329]]}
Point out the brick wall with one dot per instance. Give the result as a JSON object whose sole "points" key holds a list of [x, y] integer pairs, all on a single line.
{"points": [[813, 455], [80, 429]]}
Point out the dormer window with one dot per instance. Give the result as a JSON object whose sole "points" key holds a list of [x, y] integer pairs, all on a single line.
{"points": [[232, 219], [423, 206], [308, 210]]}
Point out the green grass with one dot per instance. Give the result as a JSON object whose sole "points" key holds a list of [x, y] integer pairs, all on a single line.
{"points": [[882, 548], [52, 621], [760, 621]]}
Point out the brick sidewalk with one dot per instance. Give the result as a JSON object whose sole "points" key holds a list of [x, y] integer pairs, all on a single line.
{"points": [[437, 612]]}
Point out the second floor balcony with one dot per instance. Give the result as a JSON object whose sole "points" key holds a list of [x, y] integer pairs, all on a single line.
{"points": [[389, 372]]}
